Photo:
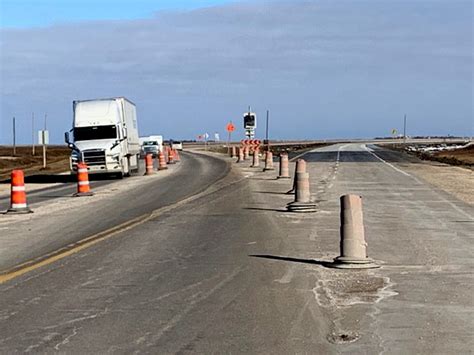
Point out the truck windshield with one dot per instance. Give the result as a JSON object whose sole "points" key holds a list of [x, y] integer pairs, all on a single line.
{"points": [[150, 143], [95, 132]]}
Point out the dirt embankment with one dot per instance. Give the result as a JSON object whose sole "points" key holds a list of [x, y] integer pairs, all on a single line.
{"points": [[458, 156], [57, 158]]}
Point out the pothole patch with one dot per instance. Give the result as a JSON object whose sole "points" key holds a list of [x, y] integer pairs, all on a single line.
{"points": [[350, 289], [343, 338]]}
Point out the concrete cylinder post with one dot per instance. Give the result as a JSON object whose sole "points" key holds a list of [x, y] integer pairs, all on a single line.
{"points": [[232, 152], [302, 193], [300, 167], [246, 152], [284, 168], [268, 161], [302, 202], [240, 158], [353, 246], [256, 158]]}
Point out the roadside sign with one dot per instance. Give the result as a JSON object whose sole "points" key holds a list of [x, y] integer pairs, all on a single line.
{"points": [[230, 127], [43, 137]]}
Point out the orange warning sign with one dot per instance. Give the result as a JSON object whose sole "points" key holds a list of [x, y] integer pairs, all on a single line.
{"points": [[230, 127]]}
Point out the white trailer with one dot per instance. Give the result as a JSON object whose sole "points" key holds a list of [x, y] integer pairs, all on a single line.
{"points": [[105, 136]]}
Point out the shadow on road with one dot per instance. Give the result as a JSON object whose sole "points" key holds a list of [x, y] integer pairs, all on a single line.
{"points": [[263, 179], [293, 260], [270, 192], [266, 209]]}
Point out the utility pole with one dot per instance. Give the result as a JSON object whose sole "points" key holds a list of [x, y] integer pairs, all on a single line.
{"points": [[14, 137], [44, 142], [405, 129], [33, 132], [266, 132]]}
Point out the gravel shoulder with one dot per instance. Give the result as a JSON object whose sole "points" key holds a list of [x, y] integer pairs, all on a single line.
{"points": [[458, 181]]}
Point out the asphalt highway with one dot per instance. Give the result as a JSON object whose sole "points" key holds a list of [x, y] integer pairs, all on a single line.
{"points": [[64, 185], [209, 276], [192, 175]]}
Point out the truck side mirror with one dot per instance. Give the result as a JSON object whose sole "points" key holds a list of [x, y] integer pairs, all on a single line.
{"points": [[124, 132], [66, 137]]}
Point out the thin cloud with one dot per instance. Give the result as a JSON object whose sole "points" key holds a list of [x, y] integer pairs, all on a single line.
{"points": [[318, 66]]}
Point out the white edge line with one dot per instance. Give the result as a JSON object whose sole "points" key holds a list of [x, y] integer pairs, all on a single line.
{"points": [[414, 178]]}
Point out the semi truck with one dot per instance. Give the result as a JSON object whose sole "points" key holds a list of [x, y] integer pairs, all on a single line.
{"points": [[104, 136]]}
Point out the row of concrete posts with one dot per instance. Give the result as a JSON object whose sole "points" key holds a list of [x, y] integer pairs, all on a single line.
{"points": [[353, 247]]}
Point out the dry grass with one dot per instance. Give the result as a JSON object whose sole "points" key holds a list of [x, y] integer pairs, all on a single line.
{"points": [[57, 160], [462, 156]]}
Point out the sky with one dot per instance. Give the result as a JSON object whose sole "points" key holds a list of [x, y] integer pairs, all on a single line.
{"points": [[323, 68]]}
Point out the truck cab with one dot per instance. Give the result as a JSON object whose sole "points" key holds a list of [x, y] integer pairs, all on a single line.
{"points": [[105, 136]]}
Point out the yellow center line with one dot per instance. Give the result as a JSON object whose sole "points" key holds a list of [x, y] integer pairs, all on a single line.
{"points": [[73, 248]]}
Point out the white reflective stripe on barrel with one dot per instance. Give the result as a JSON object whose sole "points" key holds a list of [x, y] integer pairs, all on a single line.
{"points": [[19, 205], [83, 183], [82, 170], [18, 188]]}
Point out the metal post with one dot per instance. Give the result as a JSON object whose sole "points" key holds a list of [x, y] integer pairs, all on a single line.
{"points": [[266, 131], [44, 142], [14, 137], [405, 129], [33, 132], [44, 149]]}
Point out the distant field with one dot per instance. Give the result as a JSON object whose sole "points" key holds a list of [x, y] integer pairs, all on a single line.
{"points": [[453, 155], [57, 160]]}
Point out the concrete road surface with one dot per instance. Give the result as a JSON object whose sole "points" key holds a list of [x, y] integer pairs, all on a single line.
{"points": [[232, 272]]}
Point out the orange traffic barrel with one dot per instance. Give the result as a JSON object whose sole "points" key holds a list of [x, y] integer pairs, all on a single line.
{"points": [[170, 156], [18, 193], [83, 187], [149, 164], [162, 161], [176, 155]]}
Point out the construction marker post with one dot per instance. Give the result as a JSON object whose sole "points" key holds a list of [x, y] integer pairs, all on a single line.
{"points": [[284, 169], [302, 202], [240, 158], [83, 187], [300, 167], [246, 152], [256, 158], [353, 247], [268, 161], [18, 202]]}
